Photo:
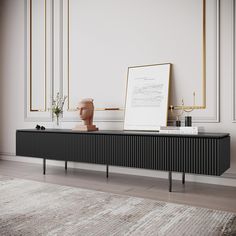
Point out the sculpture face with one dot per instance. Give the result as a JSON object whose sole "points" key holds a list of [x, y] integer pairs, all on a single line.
{"points": [[86, 110]]}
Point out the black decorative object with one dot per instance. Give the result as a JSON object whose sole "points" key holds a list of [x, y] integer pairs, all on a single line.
{"points": [[178, 123], [188, 120], [38, 127], [204, 153]]}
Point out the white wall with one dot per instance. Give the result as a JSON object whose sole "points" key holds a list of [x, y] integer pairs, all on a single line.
{"points": [[13, 74]]}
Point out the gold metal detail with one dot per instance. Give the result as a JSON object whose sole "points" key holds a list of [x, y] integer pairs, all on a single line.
{"points": [[172, 107], [103, 109], [203, 106], [109, 109], [45, 61], [68, 58]]}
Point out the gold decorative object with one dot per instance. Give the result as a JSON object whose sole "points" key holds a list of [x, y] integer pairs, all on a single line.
{"points": [[179, 112], [191, 108], [176, 113]]}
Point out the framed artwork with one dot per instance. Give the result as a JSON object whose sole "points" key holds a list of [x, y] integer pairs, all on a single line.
{"points": [[147, 94]]}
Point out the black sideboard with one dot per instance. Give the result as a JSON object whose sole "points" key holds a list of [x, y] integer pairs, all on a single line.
{"points": [[205, 153]]}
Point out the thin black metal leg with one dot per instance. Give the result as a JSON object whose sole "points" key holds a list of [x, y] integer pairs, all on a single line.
{"points": [[65, 165], [183, 178], [44, 166], [170, 181], [107, 171]]}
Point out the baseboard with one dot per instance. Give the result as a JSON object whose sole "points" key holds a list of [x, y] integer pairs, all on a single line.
{"points": [[2, 154], [227, 179], [229, 175]]}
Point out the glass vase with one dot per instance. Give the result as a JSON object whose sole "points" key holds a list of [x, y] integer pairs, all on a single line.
{"points": [[57, 122]]}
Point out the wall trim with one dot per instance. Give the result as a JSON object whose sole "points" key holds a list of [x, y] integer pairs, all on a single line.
{"points": [[216, 118], [227, 179], [197, 119], [7, 154], [46, 115], [233, 62], [213, 119], [229, 175]]}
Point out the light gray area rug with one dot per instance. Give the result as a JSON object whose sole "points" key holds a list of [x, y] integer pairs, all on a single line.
{"points": [[35, 208]]}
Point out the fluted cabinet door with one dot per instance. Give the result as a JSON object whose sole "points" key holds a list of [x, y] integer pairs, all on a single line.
{"points": [[200, 154], [138, 151]]}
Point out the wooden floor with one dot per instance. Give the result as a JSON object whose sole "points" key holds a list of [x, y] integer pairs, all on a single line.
{"points": [[195, 194]]}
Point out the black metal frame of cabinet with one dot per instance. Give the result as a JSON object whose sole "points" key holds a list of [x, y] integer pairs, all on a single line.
{"points": [[205, 153]]}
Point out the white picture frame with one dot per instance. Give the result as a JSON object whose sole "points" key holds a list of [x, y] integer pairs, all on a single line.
{"points": [[147, 94]]}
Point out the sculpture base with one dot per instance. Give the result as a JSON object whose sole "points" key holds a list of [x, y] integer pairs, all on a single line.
{"points": [[86, 127]]}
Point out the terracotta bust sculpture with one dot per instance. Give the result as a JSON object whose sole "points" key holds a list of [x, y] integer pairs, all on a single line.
{"points": [[86, 111]]}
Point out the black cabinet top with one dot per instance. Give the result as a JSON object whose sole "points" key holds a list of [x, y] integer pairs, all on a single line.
{"points": [[121, 132]]}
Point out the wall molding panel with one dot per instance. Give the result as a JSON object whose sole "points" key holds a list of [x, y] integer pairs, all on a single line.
{"points": [[38, 80], [233, 61], [58, 40], [57, 46], [216, 117], [207, 118], [199, 116]]}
